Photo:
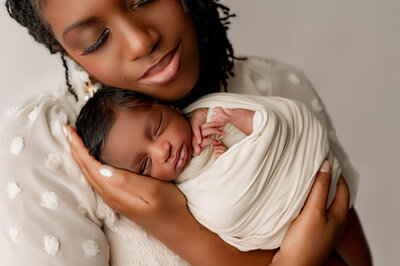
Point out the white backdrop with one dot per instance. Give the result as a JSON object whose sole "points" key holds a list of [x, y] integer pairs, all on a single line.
{"points": [[350, 51]]}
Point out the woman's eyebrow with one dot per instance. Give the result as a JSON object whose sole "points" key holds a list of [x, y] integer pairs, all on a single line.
{"points": [[78, 24]]}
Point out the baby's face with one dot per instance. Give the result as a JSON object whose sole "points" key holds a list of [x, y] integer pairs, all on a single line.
{"points": [[155, 143]]}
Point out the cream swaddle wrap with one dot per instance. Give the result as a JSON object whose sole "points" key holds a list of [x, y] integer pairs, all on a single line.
{"points": [[253, 191]]}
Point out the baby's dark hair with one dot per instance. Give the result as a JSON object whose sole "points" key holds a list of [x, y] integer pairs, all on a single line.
{"points": [[97, 116], [216, 52]]}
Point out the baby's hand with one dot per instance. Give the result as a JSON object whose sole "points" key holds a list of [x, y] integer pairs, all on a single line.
{"points": [[206, 130], [219, 149], [201, 130], [222, 115]]}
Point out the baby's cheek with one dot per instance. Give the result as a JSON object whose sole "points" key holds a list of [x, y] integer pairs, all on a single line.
{"points": [[163, 173]]}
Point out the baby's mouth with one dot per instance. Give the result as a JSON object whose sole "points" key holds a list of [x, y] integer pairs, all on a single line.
{"points": [[181, 157]]}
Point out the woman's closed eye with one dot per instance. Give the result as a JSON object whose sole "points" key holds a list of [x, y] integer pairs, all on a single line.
{"points": [[136, 4], [105, 34], [94, 47]]}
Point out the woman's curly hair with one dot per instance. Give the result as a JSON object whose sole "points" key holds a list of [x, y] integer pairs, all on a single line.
{"points": [[216, 52]]}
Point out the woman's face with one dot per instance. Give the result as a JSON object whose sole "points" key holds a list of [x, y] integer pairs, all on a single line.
{"points": [[148, 46]]}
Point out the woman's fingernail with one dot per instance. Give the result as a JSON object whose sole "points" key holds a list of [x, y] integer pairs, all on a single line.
{"points": [[106, 171], [69, 136], [65, 130], [325, 167]]}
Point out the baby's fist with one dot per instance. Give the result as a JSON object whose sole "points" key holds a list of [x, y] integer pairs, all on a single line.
{"points": [[219, 149], [222, 115]]}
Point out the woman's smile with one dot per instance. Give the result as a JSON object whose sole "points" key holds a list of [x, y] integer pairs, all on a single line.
{"points": [[151, 48], [165, 70]]}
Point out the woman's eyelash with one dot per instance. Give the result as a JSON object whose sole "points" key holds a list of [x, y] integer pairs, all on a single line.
{"points": [[98, 44], [104, 36], [140, 3]]}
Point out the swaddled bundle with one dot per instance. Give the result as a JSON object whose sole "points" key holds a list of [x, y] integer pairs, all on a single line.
{"points": [[253, 191]]}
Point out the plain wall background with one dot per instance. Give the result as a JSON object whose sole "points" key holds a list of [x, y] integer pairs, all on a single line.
{"points": [[350, 51]]}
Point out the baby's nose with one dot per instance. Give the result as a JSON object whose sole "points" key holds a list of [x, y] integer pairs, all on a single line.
{"points": [[161, 151]]}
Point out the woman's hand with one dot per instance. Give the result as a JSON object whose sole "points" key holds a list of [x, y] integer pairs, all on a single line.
{"points": [[313, 234], [147, 201]]}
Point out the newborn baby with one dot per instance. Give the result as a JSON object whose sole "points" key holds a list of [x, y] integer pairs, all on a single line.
{"points": [[248, 180]]}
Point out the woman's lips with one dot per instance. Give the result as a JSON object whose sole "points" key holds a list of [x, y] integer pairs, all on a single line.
{"points": [[165, 71], [181, 157]]}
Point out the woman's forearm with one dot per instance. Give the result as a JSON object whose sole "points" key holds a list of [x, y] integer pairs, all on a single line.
{"points": [[199, 246], [353, 245], [195, 243]]}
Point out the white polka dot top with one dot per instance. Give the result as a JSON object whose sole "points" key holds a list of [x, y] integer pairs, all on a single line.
{"points": [[51, 216]]}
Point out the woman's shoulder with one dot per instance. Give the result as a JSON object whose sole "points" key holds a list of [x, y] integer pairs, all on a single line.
{"points": [[266, 76], [269, 77], [42, 111]]}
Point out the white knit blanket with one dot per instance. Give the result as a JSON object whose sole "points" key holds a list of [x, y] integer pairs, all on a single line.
{"points": [[253, 191]]}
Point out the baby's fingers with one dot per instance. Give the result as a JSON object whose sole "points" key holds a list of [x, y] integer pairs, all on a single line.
{"points": [[220, 119], [207, 142], [219, 150], [220, 116], [228, 111], [196, 146], [211, 128], [211, 125], [212, 131], [196, 134], [219, 110]]}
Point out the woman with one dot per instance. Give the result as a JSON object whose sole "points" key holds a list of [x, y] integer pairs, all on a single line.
{"points": [[171, 50]]}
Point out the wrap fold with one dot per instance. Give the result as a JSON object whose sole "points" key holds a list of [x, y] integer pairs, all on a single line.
{"points": [[251, 193]]}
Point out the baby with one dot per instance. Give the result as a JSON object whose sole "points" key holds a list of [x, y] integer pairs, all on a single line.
{"points": [[245, 168], [149, 138]]}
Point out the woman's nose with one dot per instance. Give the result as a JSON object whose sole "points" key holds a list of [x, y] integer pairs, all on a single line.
{"points": [[160, 151], [139, 39]]}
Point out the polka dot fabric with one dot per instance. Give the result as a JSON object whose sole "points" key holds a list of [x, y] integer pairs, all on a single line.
{"points": [[42, 188]]}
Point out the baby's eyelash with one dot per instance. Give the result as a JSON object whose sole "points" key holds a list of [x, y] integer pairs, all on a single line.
{"points": [[157, 127], [93, 48], [144, 166]]}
